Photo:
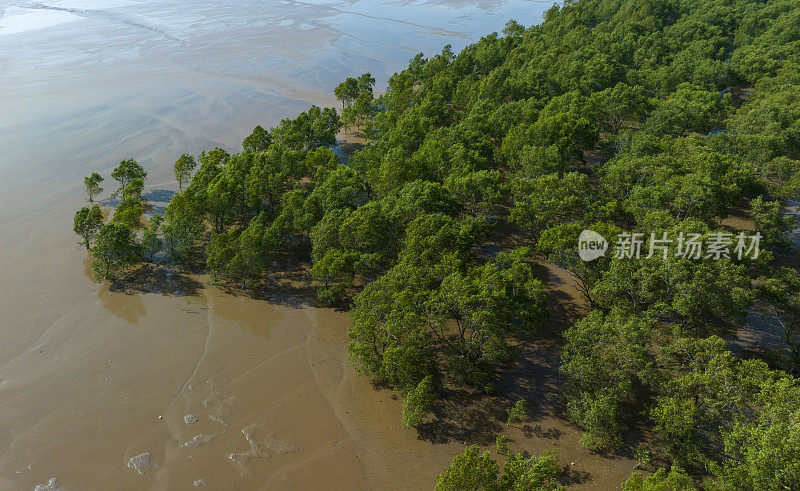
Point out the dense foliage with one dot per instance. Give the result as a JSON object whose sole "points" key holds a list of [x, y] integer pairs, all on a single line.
{"points": [[475, 471], [654, 116]]}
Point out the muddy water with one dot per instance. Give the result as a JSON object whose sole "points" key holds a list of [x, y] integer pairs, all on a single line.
{"points": [[215, 387], [174, 382]]}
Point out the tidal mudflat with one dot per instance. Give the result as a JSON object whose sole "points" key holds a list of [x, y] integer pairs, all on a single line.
{"points": [[174, 382]]}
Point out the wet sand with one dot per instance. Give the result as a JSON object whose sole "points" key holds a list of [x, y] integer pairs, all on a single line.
{"points": [[97, 384], [116, 376]]}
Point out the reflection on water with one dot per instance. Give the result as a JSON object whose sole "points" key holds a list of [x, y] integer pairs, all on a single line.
{"points": [[128, 307], [254, 315], [87, 264]]}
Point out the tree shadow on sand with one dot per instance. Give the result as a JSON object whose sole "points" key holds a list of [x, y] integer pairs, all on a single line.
{"points": [[572, 477], [159, 195], [470, 415], [156, 278], [474, 417], [346, 147], [127, 307], [464, 415], [285, 285], [535, 377]]}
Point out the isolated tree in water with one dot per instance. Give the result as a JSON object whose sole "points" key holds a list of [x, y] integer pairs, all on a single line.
{"points": [[92, 186], [126, 171], [183, 168], [87, 223]]}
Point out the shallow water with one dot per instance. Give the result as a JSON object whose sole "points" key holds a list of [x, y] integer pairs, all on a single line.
{"points": [[93, 380]]}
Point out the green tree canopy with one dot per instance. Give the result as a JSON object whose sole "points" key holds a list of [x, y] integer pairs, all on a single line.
{"points": [[92, 186], [183, 169], [87, 222], [127, 171], [258, 141], [115, 250]]}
